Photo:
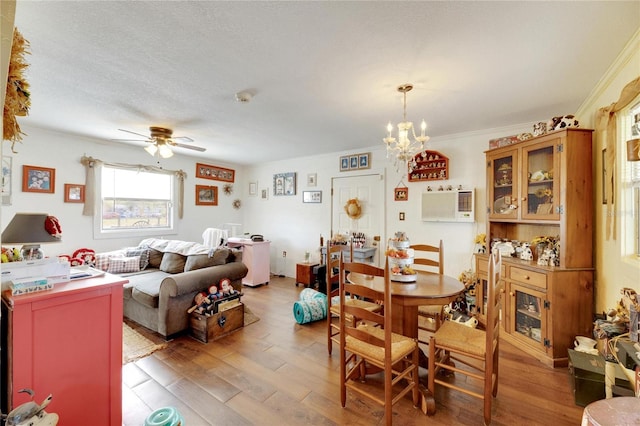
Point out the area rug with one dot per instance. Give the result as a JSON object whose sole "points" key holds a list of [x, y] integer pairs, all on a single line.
{"points": [[136, 346], [249, 317]]}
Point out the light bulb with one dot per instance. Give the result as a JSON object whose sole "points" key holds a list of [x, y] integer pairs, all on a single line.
{"points": [[151, 149]]}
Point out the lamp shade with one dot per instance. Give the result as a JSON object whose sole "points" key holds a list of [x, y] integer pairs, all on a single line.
{"points": [[28, 228]]}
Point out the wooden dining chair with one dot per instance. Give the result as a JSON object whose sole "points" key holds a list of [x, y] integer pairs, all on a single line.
{"points": [[371, 343], [429, 258], [334, 257], [475, 348]]}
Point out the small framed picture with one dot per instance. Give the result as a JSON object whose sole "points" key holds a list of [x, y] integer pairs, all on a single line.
{"points": [[344, 163], [73, 193], [353, 162], [265, 194], [312, 196], [253, 188], [38, 179], [206, 195], [363, 161], [401, 193], [312, 179], [284, 184]]}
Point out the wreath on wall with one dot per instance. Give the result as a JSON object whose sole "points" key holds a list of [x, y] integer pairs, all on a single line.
{"points": [[353, 208], [17, 100]]}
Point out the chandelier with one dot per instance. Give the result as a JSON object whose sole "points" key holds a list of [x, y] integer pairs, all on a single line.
{"points": [[161, 147], [406, 146]]}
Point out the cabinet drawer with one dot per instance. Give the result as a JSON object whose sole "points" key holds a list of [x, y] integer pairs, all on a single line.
{"points": [[483, 268], [528, 277]]}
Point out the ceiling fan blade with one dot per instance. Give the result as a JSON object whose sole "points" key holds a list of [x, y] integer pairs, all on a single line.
{"points": [[193, 147], [183, 138], [134, 133], [130, 140]]}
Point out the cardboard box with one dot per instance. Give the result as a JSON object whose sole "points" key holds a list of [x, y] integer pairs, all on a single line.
{"points": [[587, 375], [218, 325], [50, 268], [29, 285]]}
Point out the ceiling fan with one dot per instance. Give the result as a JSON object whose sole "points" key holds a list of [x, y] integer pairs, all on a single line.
{"points": [[161, 141]]}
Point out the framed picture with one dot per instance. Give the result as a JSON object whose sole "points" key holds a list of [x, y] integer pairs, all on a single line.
{"points": [[38, 179], [205, 171], [253, 188], [284, 184], [353, 162], [73, 193], [401, 193], [206, 195], [344, 163], [6, 181], [363, 161], [265, 194], [311, 196], [312, 179]]}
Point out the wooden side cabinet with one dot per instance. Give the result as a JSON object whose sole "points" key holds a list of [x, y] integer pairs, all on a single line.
{"points": [[305, 275], [66, 342]]}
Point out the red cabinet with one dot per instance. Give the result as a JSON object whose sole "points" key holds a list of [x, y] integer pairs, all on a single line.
{"points": [[67, 342]]}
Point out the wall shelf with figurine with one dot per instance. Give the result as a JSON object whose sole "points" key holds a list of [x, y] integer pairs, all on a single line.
{"points": [[430, 165]]}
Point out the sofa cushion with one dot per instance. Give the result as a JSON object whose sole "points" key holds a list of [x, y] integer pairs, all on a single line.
{"points": [[146, 288], [221, 256], [198, 261], [119, 265], [173, 263], [102, 259], [155, 258], [142, 252]]}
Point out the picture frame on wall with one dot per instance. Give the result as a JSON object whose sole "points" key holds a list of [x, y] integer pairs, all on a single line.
{"points": [[355, 162], [205, 171], [73, 193], [284, 184], [312, 196], [253, 188], [38, 179], [401, 193], [206, 195], [363, 161], [312, 179], [344, 163], [265, 194]]}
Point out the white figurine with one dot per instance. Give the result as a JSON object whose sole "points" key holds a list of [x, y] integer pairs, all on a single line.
{"points": [[526, 253]]}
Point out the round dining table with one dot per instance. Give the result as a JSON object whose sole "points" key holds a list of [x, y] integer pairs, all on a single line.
{"points": [[428, 289]]}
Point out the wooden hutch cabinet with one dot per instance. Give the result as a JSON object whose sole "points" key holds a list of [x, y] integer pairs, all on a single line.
{"points": [[543, 187]]}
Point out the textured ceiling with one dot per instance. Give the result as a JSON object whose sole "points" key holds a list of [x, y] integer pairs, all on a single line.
{"points": [[323, 74]]}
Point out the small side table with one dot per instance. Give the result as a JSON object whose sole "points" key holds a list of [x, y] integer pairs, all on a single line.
{"points": [[305, 274]]}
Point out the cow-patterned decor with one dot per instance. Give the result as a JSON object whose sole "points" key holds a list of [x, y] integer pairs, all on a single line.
{"points": [[562, 122]]}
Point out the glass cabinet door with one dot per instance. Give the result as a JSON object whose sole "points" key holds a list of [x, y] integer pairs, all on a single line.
{"points": [[503, 185], [540, 190], [528, 315]]}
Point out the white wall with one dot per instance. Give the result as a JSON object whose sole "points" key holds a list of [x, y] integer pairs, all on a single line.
{"points": [[295, 227], [291, 225], [63, 152]]}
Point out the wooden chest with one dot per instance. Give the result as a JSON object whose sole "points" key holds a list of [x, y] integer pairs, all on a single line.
{"points": [[218, 325]]}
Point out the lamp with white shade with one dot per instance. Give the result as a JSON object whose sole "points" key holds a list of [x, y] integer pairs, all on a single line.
{"points": [[31, 230]]}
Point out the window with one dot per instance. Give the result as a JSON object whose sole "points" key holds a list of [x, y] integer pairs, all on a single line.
{"points": [[630, 208], [133, 202]]}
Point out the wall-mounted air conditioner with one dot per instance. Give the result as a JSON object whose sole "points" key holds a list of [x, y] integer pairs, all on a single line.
{"points": [[448, 206]]}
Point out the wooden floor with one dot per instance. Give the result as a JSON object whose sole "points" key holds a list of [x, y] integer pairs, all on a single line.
{"points": [[277, 372]]}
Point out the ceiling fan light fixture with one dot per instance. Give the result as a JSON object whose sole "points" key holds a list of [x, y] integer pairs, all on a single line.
{"points": [[165, 151], [151, 149]]}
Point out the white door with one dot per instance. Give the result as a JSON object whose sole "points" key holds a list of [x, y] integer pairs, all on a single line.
{"points": [[369, 190]]}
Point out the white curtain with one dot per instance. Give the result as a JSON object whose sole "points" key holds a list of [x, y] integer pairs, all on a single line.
{"points": [[92, 165]]}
